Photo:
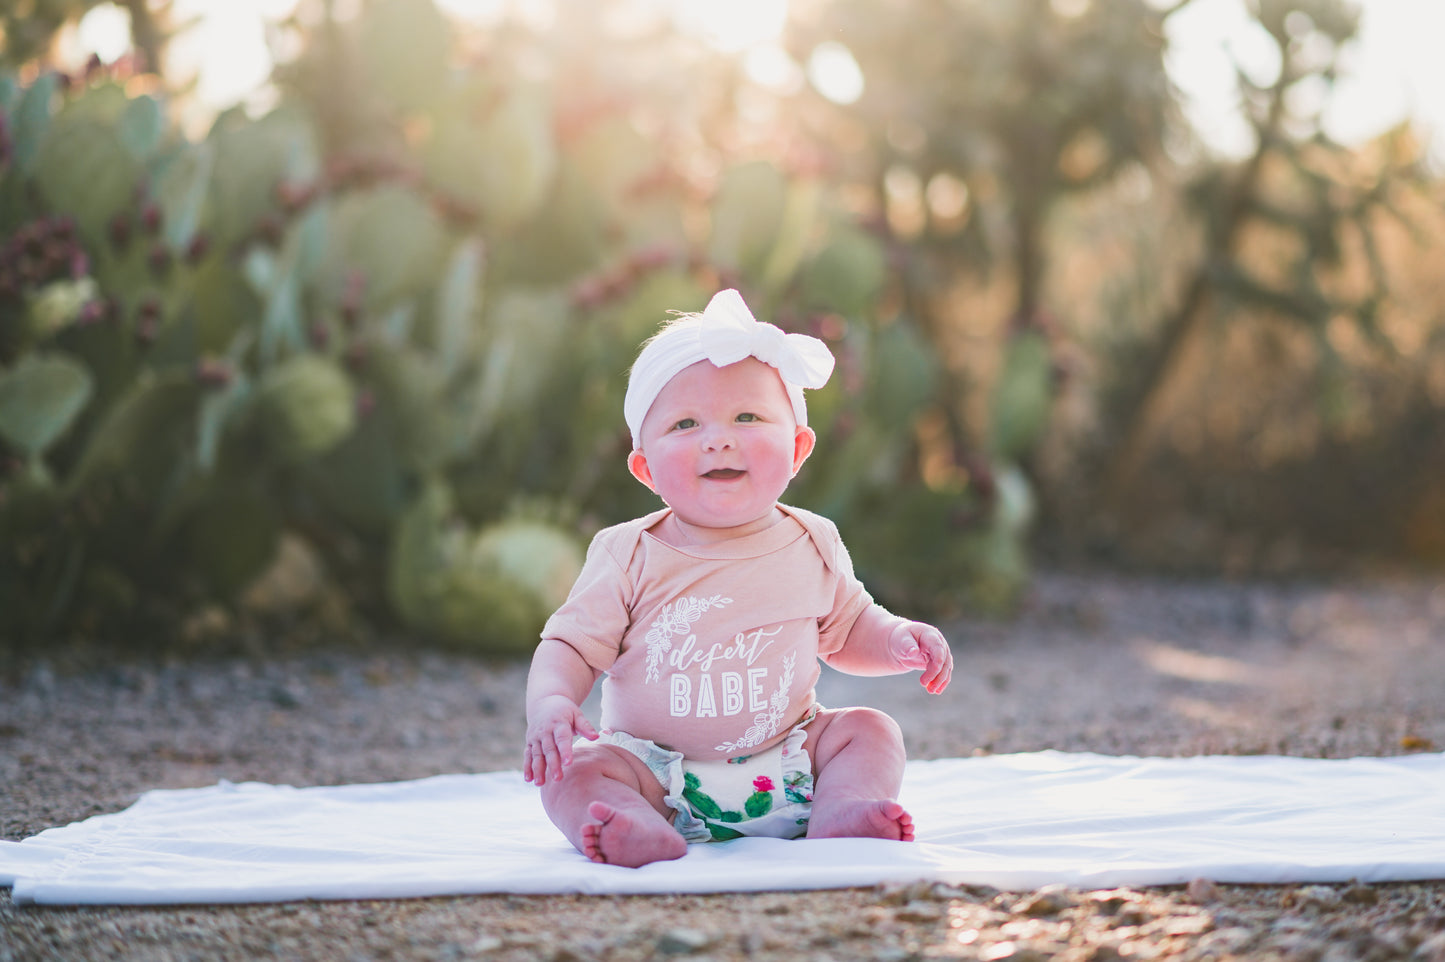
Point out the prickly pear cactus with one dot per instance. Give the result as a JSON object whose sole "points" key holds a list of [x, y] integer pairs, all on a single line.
{"points": [[489, 591], [331, 317], [1023, 396], [304, 407]]}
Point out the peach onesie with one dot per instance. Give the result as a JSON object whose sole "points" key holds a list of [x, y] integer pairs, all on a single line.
{"points": [[712, 650]]}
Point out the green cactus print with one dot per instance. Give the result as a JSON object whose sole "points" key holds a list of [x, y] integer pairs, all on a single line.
{"points": [[798, 787], [705, 807], [758, 804]]}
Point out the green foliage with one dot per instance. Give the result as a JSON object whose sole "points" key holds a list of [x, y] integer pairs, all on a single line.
{"points": [[39, 399], [486, 591], [384, 314], [1023, 396], [304, 407]]}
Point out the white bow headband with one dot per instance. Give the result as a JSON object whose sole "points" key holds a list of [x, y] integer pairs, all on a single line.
{"points": [[724, 333]]}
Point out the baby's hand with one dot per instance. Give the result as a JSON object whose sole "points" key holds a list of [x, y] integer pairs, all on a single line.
{"points": [[919, 647], [552, 723]]}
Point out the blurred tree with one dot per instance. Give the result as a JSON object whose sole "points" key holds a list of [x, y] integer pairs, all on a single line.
{"points": [[1310, 193], [978, 117]]}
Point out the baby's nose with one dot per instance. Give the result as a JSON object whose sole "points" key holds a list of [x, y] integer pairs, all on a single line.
{"points": [[718, 439]]}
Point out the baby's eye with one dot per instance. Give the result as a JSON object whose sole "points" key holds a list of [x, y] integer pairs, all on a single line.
{"points": [[747, 416], [684, 424]]}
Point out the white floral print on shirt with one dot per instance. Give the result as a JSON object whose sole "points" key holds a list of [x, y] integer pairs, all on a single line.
{"points": [[676, 618]]}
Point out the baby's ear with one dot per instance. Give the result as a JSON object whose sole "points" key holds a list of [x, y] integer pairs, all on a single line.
{"points": [[637, 466], [804, 441]]}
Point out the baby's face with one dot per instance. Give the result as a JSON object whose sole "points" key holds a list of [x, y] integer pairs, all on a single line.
{"points": [[720, 445]]}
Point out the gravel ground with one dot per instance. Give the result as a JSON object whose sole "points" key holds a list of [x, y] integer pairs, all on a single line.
{"points": [[1103, 663]]}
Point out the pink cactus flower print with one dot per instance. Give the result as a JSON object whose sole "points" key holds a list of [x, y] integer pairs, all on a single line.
{"points": [[762, 784]]}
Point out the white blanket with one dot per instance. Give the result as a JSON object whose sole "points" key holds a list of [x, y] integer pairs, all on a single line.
{"points": [[1011, 821]]}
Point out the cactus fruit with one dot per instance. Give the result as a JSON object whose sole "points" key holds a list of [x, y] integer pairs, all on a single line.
{"points": [[305, 406]]}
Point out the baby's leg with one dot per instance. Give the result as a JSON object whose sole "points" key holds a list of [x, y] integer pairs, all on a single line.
{"points": [[611, 808], [857, 768]]}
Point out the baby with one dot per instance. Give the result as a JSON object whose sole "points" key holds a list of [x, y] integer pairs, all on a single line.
{"points": [[706, 620]]}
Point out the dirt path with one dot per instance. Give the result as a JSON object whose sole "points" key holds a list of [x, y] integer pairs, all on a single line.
{"points": [[1096, 663]]}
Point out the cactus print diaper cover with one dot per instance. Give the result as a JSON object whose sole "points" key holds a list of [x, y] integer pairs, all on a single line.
{"points": [[769, 793]]}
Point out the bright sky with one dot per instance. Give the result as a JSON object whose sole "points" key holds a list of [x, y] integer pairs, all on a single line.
{"points": [[1395, 69]]}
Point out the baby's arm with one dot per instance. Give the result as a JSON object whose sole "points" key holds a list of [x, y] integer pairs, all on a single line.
{"points": [[556, 686], [880, 643]]}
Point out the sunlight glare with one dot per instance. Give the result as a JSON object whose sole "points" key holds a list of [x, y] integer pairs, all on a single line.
{"points": [[835, 73], [482, 12], [735, 25], [104, 31], [226, 48]]}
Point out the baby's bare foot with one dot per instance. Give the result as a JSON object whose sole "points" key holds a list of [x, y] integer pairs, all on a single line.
{"points": [[622, 837], [861, 818]]}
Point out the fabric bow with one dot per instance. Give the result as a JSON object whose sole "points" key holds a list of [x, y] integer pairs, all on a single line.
{"points": [[729, 332], [723, 334]]}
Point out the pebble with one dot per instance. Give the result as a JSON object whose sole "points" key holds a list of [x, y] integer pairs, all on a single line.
{"points": [[1049, 900], [902, 893], [920, 912], [1311, 898], [1431, 950], [682, 941], [1202, 891], [1358, 894]]}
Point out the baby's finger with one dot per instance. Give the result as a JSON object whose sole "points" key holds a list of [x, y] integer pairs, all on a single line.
{"points": [[551, 759], [940, 666], [937, 680], [536, 765], [585, 729], [563, 734]]}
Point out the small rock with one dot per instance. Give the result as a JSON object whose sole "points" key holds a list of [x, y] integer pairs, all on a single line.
{"points": [[1315, 898], [1103, 953], [1432, 949], [894, 953], [682, 941], [1202, 891], [920, 912], [1358, 894], [1186, 925], [1301, 948], [1011, 952], [1107, 903], [286, 696], [566, 953], [1049, 900], [486, 943], [902, 893], [1227, 941]]}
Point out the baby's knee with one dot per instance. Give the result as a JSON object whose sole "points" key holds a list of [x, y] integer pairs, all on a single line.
{"points": [[870, 724], [590, 764]]}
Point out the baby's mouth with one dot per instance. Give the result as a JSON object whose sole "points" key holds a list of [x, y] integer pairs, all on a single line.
{"points": [[724, 474]]}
